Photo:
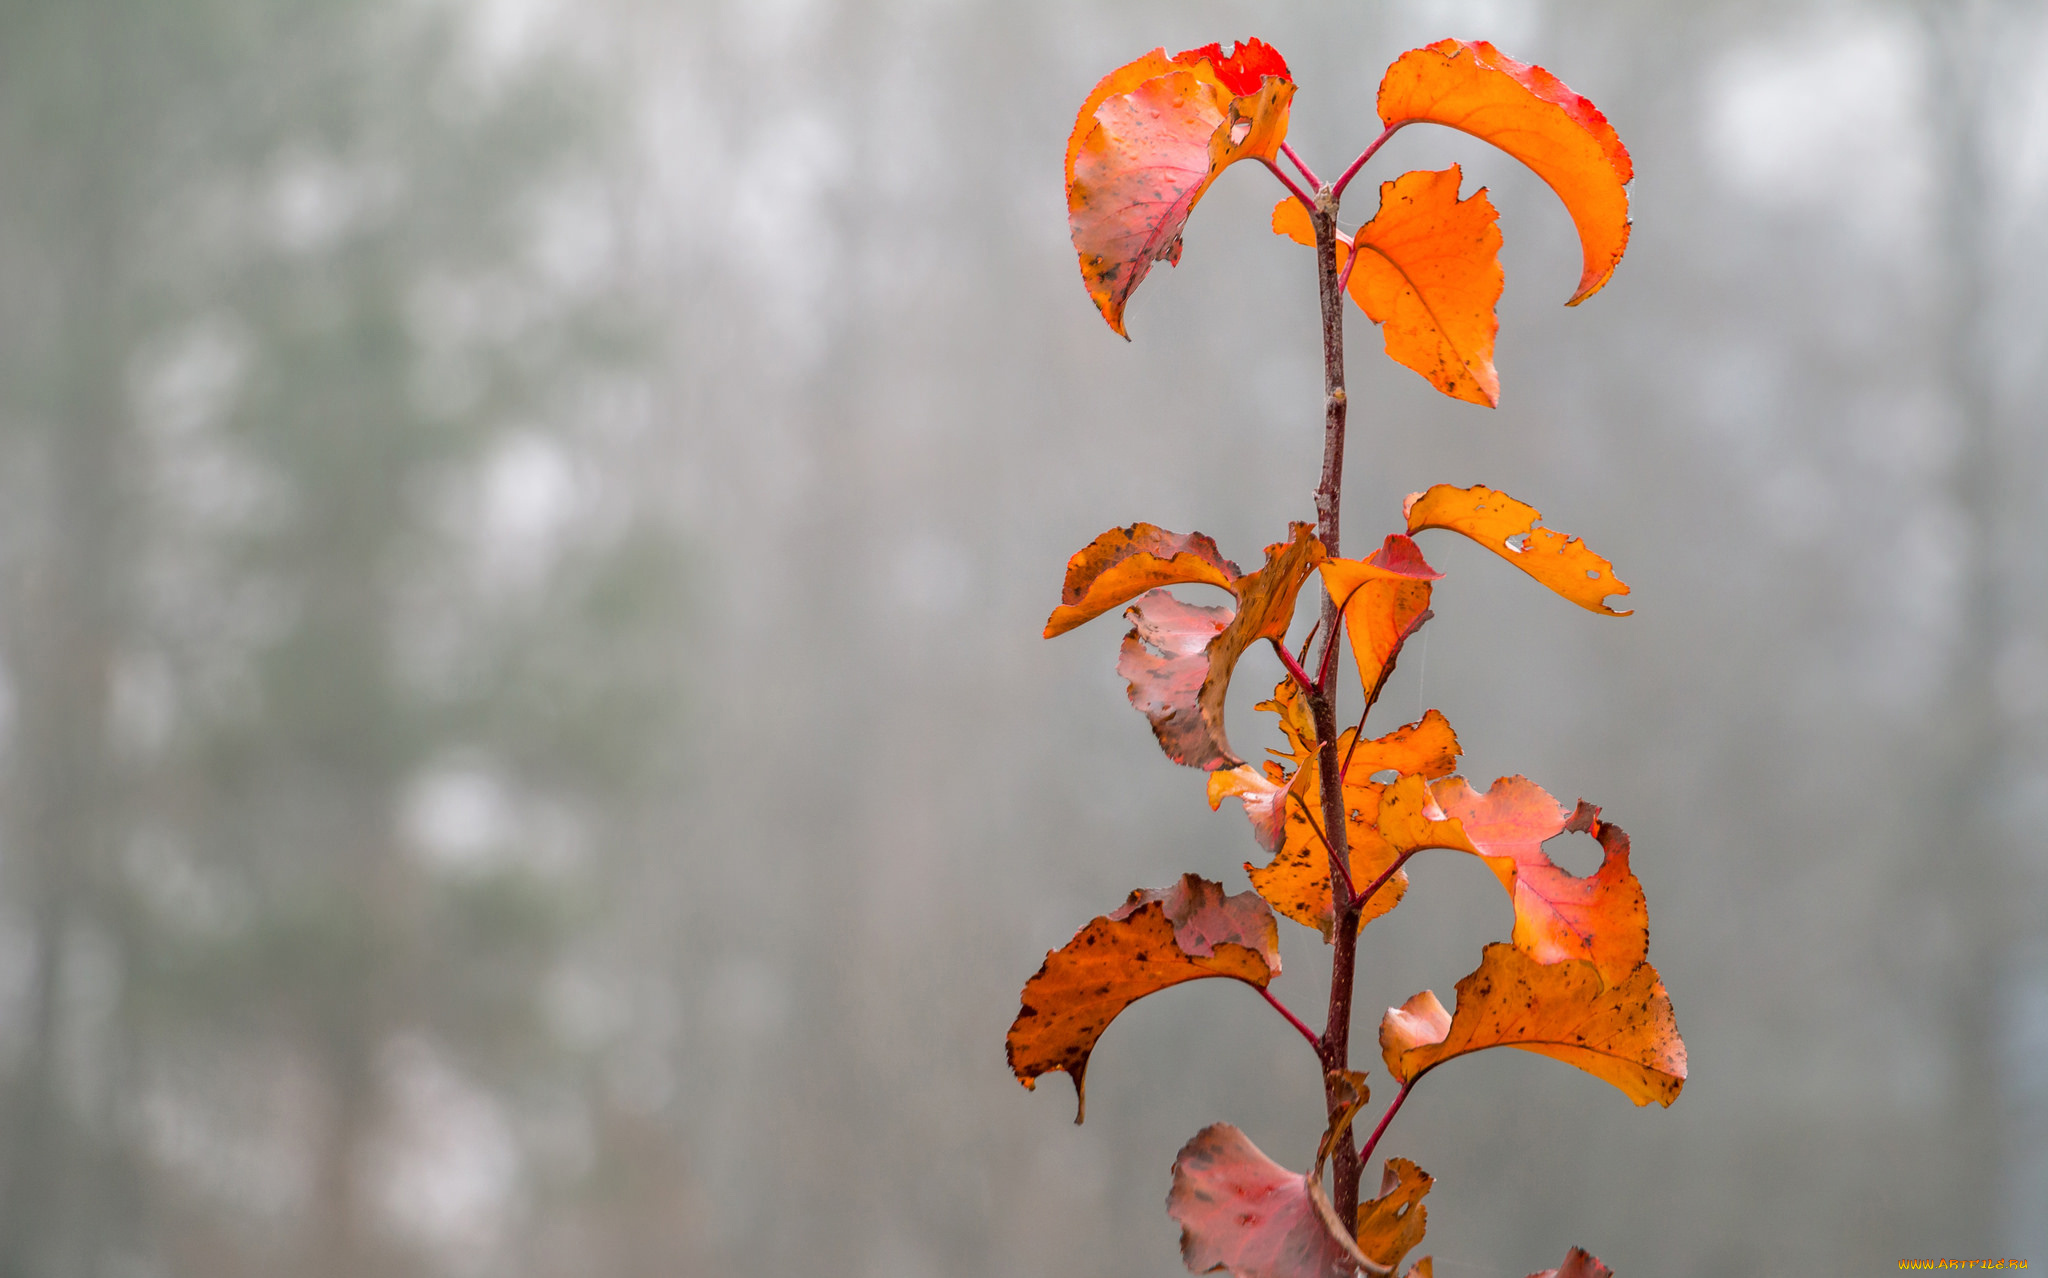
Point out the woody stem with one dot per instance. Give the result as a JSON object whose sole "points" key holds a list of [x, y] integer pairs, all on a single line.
{"points": [[1336, 1037]]}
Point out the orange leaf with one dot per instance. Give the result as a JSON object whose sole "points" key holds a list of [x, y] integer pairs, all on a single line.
{"points": [[1532, 115], [1385, 598], [1156, 939], [1264, 791], [1145, 147], [1558, 915], [1242, 1212], [1430, 275], [1391, 1226], [1297, 881], [1124, 563], [1433, 279], [1494, 520], [1622, 1033], [1578, 1263], [1179, 657]]}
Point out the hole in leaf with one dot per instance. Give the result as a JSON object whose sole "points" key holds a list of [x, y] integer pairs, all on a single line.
{"points": [[1592, 574], [1386, 776], [1239, 131], [1575, 853], [1519, 542]]}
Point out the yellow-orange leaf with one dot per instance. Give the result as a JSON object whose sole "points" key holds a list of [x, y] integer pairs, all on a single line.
{"points": [[1124, 563], [1384, 598], [1533, 116], [1391, 1226], [1494, 520], [1145, 147], [1179, 657], [1622, 1033], [1558, 915], [1430, 276], [1297, 881], [1157, 939]]}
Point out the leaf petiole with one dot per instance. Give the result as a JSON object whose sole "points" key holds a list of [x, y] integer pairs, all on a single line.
{"points": [[1294, 670], [1315, 1040], [1307, 201], [1344, 179], [1365, 1154], [1308, 174]]}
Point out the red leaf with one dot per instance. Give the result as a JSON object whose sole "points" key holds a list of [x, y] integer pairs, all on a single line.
{"points": [[1558, 915], [1533, 116], [1242, 1212], [1179, 657], [1158, 938], [1145, 147], [1578, 1263]]}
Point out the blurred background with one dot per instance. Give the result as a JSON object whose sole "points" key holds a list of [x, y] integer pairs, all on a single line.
{"points": [[524, 528]]}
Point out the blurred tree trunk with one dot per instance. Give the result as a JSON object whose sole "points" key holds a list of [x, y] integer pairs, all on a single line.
{"points": [[65, 619]]}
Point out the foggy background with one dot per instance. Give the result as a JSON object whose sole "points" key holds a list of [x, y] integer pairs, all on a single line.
{"points": [[524, 530]]}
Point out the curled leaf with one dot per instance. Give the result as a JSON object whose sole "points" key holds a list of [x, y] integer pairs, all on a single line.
{"points": [[1179, 657], [1124, 563], [1533, 116], [1429, 275], [1495, 520], [1347, 1090], [1155, 940], [1242, 1212], [1622, 1033], [1145, 147], [1385, 598], [1392, 1225], [1578, 1263]]}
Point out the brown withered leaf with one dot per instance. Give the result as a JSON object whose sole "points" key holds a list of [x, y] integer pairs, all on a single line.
{"points": [[1157, 939], [1578, 1263], [1494, 519], [1147, 144], [1179, 657], [1623, 1033], [1385, 598], [1242, 1212], [1601, 917], [1124, 563], [1391, 1225]]}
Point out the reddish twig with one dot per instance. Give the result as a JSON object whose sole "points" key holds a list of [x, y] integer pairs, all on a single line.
{"points": [[1307, 201], [1315, 1040], [1308, 174], [1294, 670], [1329, 492], [1344, 179], [1388, 1117]]}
